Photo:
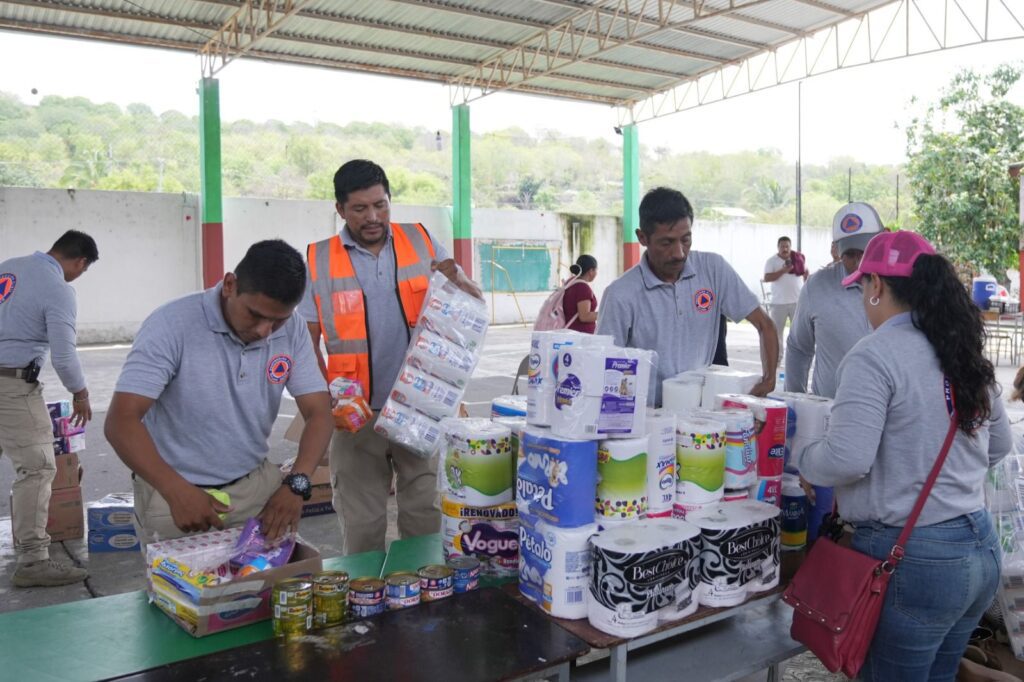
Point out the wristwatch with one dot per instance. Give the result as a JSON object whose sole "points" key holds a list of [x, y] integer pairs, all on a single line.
{"points": [[300, 485]]}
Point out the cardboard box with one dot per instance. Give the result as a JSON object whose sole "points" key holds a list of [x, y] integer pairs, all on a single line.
{"points": [[232, 604], [69, 471], [113, 540], [66, 519], [116, 510]]}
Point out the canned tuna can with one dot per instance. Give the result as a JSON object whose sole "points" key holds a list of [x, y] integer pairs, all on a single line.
{"points": [[436, 582], [293, 619], [402, 590], [291, 592], [465, 573], [330, 598], [366, 597]]}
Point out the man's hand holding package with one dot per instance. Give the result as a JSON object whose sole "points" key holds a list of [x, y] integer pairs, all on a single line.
{"points": [[281, 513]]}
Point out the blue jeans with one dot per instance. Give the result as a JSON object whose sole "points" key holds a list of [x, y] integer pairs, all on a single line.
{"points": [[935, 598]]}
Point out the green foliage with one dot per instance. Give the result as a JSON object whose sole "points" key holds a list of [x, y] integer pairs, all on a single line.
{"points": [[966, 201]]}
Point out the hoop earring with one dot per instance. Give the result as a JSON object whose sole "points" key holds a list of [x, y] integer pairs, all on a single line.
{"points": [[874, 300]]}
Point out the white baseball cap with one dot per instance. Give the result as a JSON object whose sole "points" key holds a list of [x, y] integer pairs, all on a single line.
{"points": [[854, 225]]}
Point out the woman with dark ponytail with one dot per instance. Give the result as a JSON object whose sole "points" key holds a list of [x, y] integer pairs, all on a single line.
{"points": [[579, 301], [889, 420]]}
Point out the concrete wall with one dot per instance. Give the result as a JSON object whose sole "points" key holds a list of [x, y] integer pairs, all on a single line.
{"points": [[149, 245]]}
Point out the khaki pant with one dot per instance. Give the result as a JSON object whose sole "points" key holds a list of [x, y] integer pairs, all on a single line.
{"points": [[361, 469], [26, 436], [153, 521], [781, 313]]}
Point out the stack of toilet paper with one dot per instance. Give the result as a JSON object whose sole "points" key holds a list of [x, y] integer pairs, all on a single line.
{"points": [[508, 406], [479, 466], [601, 392], [712, 380], [808, 421], [700, 464], [682, 393], [491, 534], [557, 478], [621, 481], [642, 574], [439, 362], [740, 450], [554, 566], [770, 423], [517, 427], [542, 376], [661, 463], [739, 556]]}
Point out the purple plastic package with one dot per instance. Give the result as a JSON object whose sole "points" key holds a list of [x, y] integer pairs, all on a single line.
{"points": [[253, 546]]}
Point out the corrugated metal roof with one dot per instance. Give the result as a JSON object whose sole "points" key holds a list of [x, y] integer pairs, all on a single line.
{"points": [[611, 51]]}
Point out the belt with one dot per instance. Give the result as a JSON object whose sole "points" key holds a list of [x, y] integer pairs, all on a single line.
{"points": [[14, 373], [216, 487]]}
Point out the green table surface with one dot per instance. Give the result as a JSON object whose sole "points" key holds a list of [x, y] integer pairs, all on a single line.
{"points": [[412, 553], [111, 636]]}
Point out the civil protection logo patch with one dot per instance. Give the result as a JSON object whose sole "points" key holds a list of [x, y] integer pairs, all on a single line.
{"points": [[850, 223], [7, 283], [703, 300], [278, 369]]}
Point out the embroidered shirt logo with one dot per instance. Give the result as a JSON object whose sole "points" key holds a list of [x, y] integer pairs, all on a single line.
{"points": [[7, 284], [703, 300], [279, 368]]}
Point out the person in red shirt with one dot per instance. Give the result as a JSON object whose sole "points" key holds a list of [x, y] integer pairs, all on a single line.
{"points": [[579, 299]]}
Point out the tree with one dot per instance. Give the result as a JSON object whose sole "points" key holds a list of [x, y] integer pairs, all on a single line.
{"points": [[959, 154]]}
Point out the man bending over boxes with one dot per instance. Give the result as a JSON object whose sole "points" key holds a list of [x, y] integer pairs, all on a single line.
{"points": [[198, 396]]}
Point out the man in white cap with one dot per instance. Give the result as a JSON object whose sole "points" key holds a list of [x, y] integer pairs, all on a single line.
{"points": [[829, 317]]}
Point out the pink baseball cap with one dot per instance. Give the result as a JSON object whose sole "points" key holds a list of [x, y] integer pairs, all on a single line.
{"points": [[891, 254]]}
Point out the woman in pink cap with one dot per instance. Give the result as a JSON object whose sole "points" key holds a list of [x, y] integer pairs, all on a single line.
{"points": [[891, 414]]}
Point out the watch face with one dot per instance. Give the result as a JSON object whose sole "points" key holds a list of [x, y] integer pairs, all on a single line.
{"points": [[300, 485]]}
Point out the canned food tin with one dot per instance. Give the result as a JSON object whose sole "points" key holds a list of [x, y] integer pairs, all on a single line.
{"points": [[402, 590], [366, 597], [465, 573], [294, 619], [436, 582], [330, 598], [291, 592]]}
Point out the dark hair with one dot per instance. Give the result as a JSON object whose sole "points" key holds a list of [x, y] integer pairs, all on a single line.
{"points": [[783, 239], [1018, 385], [356, 175], [663, 206], [944, 311], [74, 244], [583, 265], [274, 269]]}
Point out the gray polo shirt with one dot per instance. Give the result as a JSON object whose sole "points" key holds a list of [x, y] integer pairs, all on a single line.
{"points": [[387, 329], [679, 321], [37, 314], [829, 320], [888, 423], [216, 397]]}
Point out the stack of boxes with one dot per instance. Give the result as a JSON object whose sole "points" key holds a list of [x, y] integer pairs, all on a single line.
{"points": [[65, 519], [110, 524]]}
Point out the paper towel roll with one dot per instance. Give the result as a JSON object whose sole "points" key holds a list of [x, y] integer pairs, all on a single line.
{"points": [[740, 495], [768, 490], [557, 478], [808, 421], [638, 572], [426, 393], [739, 551], [491, 534], [442, 358], [479, 465], [770, 424], [409, 428], [719, 379], [554, 566], [680, 510], [517, 427], [740, 453], [508, 406], [602, 392], [661, 463], [682, 393], [700, 460], [622, 478]]}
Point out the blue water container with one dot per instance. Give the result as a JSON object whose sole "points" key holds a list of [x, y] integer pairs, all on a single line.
{"points": [[983, 289]]}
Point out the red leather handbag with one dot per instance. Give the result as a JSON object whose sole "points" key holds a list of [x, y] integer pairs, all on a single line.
{"points": [[837, 594]]}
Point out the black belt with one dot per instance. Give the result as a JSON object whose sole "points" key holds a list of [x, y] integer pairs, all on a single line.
{"points": [[13, 373], [215, 487]]}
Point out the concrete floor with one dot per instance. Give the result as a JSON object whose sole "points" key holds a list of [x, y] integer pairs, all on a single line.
{"points": [[113, 573]]}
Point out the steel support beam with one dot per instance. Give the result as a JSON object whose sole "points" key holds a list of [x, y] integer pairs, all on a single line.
{"points": [[253, 21]]}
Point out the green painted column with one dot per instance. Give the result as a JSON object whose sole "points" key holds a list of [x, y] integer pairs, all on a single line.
{"points": [[462, 189], [210, 182], [631, 195]]}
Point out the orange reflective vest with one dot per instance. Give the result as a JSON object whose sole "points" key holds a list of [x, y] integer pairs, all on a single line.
{"points": [[341, 303]]}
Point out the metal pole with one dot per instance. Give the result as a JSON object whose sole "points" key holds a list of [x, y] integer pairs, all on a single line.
{"points": [[799, 157], [212, 238], [631, 195], [462, 193]]}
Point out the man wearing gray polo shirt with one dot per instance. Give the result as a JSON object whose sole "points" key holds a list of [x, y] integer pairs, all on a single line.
{"points": [[365, 291], [37, 314], [829, 318], [671, 301], [198, 396]]}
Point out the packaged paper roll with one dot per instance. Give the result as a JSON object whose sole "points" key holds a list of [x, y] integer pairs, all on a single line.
{"points": [[740, 452], [684, 600], [681, 510], [794, 514], [442, 358], [682, 393], [700, 460], [641, 572], [425, 393], [508, 406], [661, 463], [739, 552], [622, 478], [411, 429], [808, 420], [557, 478], [543, 369], [767, 490], [479, 465], [458, 317], [740, 495], [517, 427], [663, 514], [491, 534], [770, 422], [554, 566], [718, 379], [608, 522]]}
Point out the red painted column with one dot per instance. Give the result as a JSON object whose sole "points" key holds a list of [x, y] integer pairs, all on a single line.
{"points": [[630, 255], [464, 255], [213, 254]]}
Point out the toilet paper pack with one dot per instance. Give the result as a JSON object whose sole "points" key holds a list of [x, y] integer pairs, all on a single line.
{"points": [[452, 313], [491, 534], [770, 424], [740, 449], [682, 393], [557, 478], [409, 428], [622, 478], [661, 463], [807, 421], [554, 566], [701, 451], [542, 374], [434, 354], [479, 466], [425, 393]]}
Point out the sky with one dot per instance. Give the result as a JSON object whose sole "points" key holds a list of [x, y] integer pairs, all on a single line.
{"points": [[858, 112]]}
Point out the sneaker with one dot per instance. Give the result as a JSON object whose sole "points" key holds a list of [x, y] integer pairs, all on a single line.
{"points": [[47, 573]]}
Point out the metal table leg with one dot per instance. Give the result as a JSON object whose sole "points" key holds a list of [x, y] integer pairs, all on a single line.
{"points": [[618, 663]]}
